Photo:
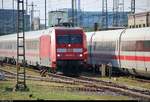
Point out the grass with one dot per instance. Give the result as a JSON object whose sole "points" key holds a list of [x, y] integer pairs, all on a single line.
{"points": [[128, 81], [44, 91], [121, 80], [28, 70]]}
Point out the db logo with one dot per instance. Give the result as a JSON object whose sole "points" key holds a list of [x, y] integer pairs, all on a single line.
{"points": [[69, 55], [69, 50]]}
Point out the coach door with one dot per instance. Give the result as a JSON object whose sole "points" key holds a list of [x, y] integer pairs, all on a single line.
{"points": [[147, 51], [45, 51]]}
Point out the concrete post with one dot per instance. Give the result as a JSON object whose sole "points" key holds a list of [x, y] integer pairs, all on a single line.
{"points": [[103, 70], [109, 67], [2, 76]]}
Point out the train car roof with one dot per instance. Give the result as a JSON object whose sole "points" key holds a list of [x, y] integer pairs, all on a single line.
{"points": [[35, 34], [137, 34], [130, 34], [108, 35], [28, 35], [105, 35]]}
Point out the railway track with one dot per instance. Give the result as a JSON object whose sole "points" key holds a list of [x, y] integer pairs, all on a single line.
{"points": [[141, 80], [89, 84], [12, 75]]}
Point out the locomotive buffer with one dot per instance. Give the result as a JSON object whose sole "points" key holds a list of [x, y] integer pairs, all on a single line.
{"points": [[21, 74]]}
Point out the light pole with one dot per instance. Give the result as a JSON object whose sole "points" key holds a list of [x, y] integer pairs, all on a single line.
{"points": [[45, 14]]}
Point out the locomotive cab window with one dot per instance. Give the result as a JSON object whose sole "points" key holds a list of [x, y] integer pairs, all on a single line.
{"points": [[69, 39]]}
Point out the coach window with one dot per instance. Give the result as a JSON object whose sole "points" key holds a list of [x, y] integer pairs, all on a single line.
{"points": [[14, 45], [104, 46], [128, 46], [1, 45], [132, 46], [136, 26], [35, 45], [143, 25], [100, 47], [147, 45], [113, 46], [28, 45], [139, 45], [140, 26], [123, 46], [110, 46], [6, 45], [9, 46]]}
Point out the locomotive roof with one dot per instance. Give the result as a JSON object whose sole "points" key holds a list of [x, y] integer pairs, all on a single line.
{"points": [[34, 34]]}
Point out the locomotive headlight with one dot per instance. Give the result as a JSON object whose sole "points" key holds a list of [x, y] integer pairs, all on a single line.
{"points": [[58, 55], [80, 55]]}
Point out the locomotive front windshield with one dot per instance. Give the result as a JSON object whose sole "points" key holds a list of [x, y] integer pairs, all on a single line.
{"points": [[69, 39]]}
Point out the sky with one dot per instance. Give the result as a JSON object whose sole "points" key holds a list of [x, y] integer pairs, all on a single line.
{"points": [[86, 5]]}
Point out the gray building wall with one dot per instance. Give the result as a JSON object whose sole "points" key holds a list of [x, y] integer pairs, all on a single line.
{"points": [[36, 23], [53, 17], [8, 21], [86, 19], [139, 20]]}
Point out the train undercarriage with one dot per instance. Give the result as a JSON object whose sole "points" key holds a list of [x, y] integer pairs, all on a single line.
{"points": [[70, 67]]}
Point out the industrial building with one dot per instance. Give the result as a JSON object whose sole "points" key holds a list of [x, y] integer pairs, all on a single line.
{"points": [[8, 21], [85, 19], [36, 23], [56, 17], [139, 20]]}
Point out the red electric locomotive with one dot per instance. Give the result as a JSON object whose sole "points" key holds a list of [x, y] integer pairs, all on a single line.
{"points": [[66, 48], [58, 48]]}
